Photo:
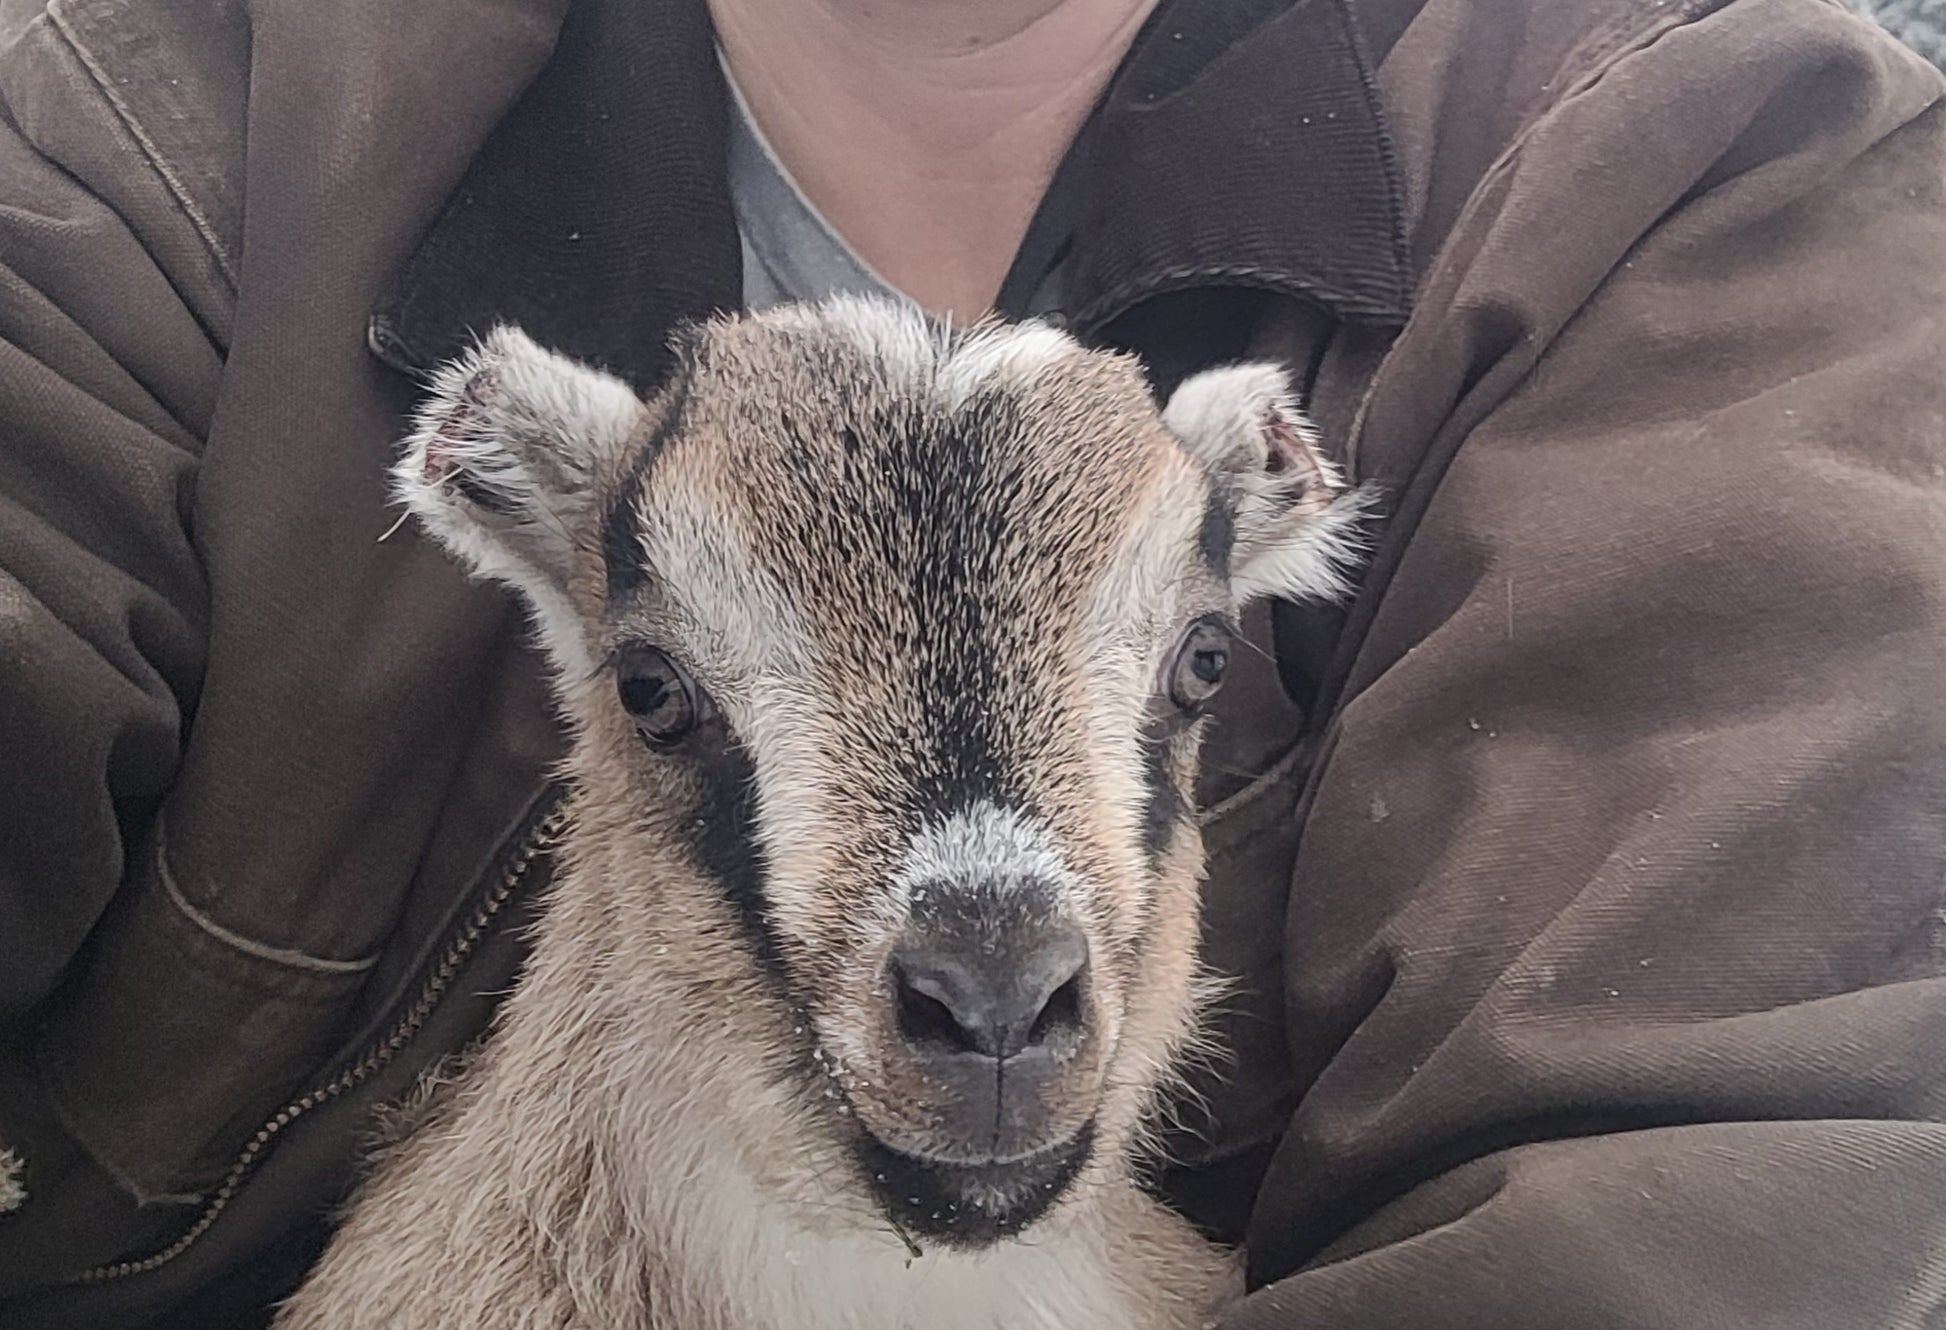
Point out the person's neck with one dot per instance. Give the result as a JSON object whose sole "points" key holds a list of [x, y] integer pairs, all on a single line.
{"points": [[926, 131]]}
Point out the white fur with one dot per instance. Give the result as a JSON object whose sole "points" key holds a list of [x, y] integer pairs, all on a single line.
{"points": [[783, 1273], [729, 611], [1002, 355], [1298, 529], [1220, 414], [1312, 561], [919, 351], [897, 334], [979, 845], [13, 1194], [531, 427]]}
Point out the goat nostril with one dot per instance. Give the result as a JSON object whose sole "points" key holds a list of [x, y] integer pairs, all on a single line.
{"points": [[995, 998], [925, 1019], [1061, 1014]]}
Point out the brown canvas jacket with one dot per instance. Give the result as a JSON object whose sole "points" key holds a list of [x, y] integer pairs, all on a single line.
{"points": [[1586, 879]]}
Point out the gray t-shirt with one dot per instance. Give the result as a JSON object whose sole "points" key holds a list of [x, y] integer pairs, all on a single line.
{"points": [[790, 252]]}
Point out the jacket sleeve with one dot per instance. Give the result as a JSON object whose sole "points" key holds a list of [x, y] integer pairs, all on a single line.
{"points": [[105, 380], [1617, 939]]}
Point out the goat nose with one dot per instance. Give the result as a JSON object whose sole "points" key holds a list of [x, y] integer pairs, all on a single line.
{"points": [[996, 995]]}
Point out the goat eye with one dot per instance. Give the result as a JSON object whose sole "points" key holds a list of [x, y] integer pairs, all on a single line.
{"points": [[659, 695], [1199, 666]]}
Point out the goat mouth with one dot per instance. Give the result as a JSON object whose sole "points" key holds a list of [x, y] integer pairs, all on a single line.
{"points": [[971, 1205]]}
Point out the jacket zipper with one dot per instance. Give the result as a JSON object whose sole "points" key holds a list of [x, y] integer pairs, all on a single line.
{"points": [[375, 1057]]}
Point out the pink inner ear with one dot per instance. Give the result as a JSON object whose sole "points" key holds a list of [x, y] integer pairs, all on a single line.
{"points": [[1288, 450], [458, 425], [444, 442]]}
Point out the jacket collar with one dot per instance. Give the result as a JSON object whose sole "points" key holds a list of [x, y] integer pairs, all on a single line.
{"points": [[598, 216]]}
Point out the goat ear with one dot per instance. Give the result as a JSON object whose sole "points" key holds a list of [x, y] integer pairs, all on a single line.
{"points": [[506, 464], [1292, 524]]}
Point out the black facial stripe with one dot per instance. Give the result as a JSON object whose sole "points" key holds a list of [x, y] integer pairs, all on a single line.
{"points": [[621, 543], [1164, 809], [728, 847], [1218, 536], [624, 558], [944, 497]]}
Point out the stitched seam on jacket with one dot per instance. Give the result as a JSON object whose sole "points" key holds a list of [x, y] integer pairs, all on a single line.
{"points": [[1388, 151], [170, 179], [297, 960], [1625, 33], [1258, 786], [1276, 280]]}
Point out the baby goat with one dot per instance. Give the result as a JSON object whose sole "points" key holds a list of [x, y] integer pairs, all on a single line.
{"points": [[874, 938]]}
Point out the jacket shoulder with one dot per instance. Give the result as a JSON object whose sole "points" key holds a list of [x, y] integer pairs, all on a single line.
{"points": [[145, 105]]}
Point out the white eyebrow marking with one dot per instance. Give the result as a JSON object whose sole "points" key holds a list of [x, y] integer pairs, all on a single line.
{"points": [[1013, 354], [730, 610], [911, 347]]}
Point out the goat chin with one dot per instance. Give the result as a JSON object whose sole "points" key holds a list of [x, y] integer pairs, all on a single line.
{"points": [[617, 1159]]}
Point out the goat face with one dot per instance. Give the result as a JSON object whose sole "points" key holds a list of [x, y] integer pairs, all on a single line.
{"points": [[886, 649]]}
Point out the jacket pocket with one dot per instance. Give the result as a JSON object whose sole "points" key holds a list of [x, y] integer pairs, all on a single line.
{"points": [[176, 1033]]}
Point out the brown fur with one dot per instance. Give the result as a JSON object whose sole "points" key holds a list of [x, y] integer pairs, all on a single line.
{"points": [[922, 580]]}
